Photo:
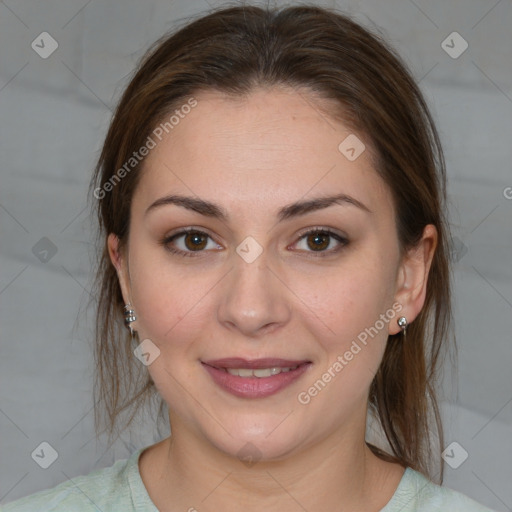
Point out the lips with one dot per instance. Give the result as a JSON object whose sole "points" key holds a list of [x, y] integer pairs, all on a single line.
{"points": [[247, 378]]}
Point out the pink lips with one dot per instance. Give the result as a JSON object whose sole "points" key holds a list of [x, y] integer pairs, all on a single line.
{"points": [[254, 387]]}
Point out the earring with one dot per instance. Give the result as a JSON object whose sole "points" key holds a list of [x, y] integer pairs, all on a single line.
{"points": [[402, 323], [129, 317]]}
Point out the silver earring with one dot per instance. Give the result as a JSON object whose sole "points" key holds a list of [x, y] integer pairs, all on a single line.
{"points": [[129, 317], [402, 323]]}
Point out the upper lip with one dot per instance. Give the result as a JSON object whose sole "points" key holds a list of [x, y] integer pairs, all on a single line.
{"points": [[266, 362]]}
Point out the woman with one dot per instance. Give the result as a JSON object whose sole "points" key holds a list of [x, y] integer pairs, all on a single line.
{"points": [[270, 196]]}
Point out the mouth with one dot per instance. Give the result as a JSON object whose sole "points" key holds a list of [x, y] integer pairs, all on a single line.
{"points": [[257, 378]]}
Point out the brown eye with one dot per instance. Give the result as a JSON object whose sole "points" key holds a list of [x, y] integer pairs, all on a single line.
{"points": [[195, 241], [318, 241], [189, 242]]}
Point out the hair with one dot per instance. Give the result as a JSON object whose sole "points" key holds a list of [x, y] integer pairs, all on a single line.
{"points": [[234, 51]]}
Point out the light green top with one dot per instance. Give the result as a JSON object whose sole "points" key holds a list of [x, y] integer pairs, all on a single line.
{"points": [[120, 488]]}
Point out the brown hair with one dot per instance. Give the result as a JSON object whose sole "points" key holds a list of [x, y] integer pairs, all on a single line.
{"points": [[235, 50]]}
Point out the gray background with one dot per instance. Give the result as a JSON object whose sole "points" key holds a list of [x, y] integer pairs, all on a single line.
{"points": [[55, 113]]}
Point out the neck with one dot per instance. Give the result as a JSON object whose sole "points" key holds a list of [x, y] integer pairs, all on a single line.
{"points": [[338, 474]]}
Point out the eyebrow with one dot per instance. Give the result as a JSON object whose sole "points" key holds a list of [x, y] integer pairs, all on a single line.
{"points": [[296, 209]]}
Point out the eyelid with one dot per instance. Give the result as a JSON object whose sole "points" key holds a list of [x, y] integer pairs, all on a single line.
{"points": [[326, 229], [183, 231]]}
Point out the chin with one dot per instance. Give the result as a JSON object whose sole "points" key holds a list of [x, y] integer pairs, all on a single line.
{"points": [[257, 439]]}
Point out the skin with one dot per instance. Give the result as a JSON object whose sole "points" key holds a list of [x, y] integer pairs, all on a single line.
{"points": [[253, 156]]}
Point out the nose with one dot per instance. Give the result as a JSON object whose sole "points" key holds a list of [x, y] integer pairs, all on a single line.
{"points": [[254, 300]]}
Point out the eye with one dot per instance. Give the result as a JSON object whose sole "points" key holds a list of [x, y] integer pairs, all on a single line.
{"points": [[320, 239], [193, 241]]}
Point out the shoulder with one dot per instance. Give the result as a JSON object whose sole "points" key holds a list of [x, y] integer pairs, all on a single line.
{"points": [[416, 493], [101, 489]]}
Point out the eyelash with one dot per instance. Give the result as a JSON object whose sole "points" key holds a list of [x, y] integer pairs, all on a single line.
{"points": [[315, 254]]}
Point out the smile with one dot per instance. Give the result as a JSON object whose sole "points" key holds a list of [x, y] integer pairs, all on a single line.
{"points": [[255, 379]]}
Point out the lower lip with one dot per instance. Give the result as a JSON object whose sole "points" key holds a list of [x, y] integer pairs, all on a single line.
{"points": [[254, 387]]}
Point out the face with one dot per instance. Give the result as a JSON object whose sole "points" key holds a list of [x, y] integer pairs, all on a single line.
{"points": [[313, 287]]}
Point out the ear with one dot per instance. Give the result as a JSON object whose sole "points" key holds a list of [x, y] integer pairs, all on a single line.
{"points": [[412, 277], [118, 259]]}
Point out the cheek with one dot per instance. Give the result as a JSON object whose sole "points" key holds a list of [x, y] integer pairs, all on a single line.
{"points": [[351, 322], [169, 311], [353, 338], [347, 300], [168, 298]]}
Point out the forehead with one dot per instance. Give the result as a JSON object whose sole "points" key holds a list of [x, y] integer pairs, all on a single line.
{"points": [[269, 148]]}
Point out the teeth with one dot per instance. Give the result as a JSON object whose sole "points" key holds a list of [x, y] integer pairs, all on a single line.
{"points": [[260, 372]]}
